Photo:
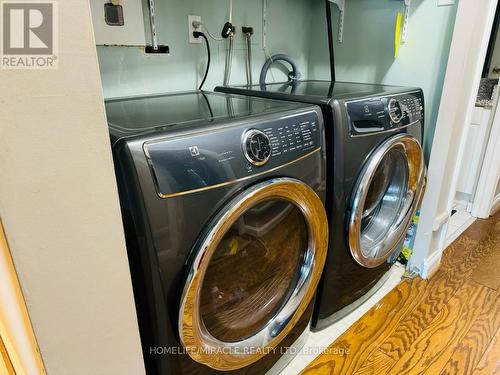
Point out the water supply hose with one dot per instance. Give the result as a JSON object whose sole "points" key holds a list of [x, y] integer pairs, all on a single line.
{"points": [[248, 31], [229, 61], [292, 76]]}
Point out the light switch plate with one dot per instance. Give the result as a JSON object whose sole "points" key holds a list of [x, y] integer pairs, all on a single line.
{"points": [[441, 3], [132, 33]]}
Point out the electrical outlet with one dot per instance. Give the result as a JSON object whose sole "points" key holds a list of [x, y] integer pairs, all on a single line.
{"points": [[191, 28]]}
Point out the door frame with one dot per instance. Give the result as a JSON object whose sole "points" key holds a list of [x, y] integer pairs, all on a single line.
{"points": [[485, 201], [471, 34], [19, 351]]}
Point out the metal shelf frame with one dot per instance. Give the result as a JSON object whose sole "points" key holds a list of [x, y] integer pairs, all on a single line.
{"points": [[341, 6]]}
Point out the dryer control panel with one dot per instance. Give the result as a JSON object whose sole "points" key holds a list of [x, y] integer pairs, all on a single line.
{"points": [[373, 115], [224, 154]]}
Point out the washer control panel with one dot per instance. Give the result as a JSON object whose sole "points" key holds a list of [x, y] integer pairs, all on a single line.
{"points": [[294, 137], [223, 154], [378, 114]]}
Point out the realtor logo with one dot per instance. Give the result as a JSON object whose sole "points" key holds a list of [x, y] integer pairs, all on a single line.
{"points": [[29, 35]]}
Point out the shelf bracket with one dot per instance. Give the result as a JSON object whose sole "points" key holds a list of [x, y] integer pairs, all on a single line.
{"points": [[152, 23], [341, 5], [406, 20]]}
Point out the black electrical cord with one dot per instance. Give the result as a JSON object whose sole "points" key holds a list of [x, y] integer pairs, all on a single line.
{"points": [[208, 105], [197, 34]]}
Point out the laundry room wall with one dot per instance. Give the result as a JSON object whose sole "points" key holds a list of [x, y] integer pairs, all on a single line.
{"points": [[60, 210], [367, 51], [129, 71]]}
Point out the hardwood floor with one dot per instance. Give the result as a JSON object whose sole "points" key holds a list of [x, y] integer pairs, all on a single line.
{"points": [[446, 325]]}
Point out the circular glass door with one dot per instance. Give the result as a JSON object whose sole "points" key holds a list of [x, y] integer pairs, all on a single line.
{"points": [[255, 271], [249, 278], [385, 199]]}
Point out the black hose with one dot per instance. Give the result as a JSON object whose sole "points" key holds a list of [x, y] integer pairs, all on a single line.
{"points": [[197, 34]]}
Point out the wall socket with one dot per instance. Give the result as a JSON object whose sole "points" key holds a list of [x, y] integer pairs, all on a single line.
{"points": [[192, 39]]}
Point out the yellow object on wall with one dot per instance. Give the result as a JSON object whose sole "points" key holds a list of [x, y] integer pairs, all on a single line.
{"points": [[397, 34]]}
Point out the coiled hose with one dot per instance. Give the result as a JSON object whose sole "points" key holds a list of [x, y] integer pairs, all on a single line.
{"points": [[292, 76]]}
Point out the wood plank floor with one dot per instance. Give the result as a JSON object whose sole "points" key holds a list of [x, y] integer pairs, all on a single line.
{"points": [[446, 325]]}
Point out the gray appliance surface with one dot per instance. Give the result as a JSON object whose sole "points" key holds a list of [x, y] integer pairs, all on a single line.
{"points": [[356, 123], [132, 116], [315, 91], [179, 161]]}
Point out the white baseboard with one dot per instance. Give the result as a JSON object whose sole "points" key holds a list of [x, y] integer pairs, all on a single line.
{"points": [[496, 204], [431, 265], [450, 237]]}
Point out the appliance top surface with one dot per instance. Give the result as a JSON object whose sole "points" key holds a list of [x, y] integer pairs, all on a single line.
{"points": [[322, 92], [143, 114]]}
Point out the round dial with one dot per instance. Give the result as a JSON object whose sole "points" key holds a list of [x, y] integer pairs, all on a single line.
{"points": [[256, 147], [395, 111]]}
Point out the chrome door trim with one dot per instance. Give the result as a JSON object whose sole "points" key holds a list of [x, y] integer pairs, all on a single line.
{"points": [[194, 336], [416, 186]]}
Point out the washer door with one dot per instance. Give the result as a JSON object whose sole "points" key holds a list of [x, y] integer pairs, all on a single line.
{"points": [[385, 198], [255, 272]]}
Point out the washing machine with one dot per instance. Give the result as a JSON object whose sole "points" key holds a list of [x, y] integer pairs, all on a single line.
{"points": [[375, 177], [222, 201]]}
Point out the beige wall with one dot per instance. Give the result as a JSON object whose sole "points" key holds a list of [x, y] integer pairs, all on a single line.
{"points": [[59, 206]]}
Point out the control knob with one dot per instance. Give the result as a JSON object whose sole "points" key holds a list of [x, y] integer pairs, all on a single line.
{"points": [[256, 147], [395, 111]]}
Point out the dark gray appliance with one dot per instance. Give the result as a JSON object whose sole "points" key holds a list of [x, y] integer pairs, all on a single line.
{"points": [[223, 207], [375, 179]]}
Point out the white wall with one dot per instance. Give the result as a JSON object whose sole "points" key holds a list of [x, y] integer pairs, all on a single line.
{"points": [[367, 51], [128, 71], [467, 53], [474, 150], [486, 195], [60, 210]]}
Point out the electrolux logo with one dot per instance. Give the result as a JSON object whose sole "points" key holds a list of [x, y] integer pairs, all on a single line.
{"points": [[29, 35]]}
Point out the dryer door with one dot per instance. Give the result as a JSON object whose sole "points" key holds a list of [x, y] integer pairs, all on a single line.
{"points": [[254, 273], [387, 193]]}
